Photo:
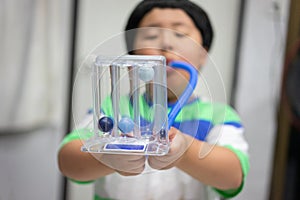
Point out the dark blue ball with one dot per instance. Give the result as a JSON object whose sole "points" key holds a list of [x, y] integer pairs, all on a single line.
{"points": [[105, 124], [162, 133]]}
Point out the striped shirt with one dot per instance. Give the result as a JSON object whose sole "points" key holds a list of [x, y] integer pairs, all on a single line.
{"points": [[214, 123]]}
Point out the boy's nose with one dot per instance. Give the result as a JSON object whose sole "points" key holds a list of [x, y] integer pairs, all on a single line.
{"points": [[166, 41]]}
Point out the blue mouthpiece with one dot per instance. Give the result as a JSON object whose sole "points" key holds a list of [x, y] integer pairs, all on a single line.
{"points": [[186, 93]]}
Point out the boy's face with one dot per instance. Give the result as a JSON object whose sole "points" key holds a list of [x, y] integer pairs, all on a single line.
{"points": [[173, 34]]}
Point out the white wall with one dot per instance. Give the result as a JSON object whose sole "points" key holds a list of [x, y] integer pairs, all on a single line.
{"points": [[258, 88], [34, 37]]}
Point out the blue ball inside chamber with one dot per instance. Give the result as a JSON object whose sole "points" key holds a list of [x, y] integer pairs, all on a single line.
{"points": [[126, 125], [105, 124], [163, 133], [146, 73]]}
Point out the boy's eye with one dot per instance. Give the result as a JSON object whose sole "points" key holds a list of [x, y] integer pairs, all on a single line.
{"points": [[150, 37], [179, 35]]}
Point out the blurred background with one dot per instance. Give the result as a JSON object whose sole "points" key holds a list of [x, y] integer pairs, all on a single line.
{"points": [[43, 93]]}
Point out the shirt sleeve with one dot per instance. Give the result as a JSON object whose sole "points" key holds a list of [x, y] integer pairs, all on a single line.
{"points": [[229, 133], [82, 132]]}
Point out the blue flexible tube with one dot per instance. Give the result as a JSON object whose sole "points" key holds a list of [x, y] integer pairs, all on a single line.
{"points": [[186, 93]]}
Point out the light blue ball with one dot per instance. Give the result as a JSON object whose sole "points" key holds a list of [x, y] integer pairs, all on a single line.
{"points": [[126, 125], [146, 73]]}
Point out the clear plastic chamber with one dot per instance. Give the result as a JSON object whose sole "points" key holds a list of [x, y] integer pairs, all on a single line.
{"points": [[130, 113]]}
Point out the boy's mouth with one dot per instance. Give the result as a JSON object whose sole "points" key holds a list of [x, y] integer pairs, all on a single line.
{"points": [[169, 69], [168, 60]]}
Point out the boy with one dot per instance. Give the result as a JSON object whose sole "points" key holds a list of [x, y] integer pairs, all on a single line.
{"points": [[208, 149]]}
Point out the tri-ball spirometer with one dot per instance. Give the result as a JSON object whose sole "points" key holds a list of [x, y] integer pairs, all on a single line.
{"points": [[130, 112]]}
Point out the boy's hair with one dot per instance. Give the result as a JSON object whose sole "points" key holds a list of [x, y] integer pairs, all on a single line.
{"points": [[197, 14]]}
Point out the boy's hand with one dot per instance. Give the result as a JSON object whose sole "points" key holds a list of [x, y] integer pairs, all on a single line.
{"points": [[180, 142], [127, 165]]}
